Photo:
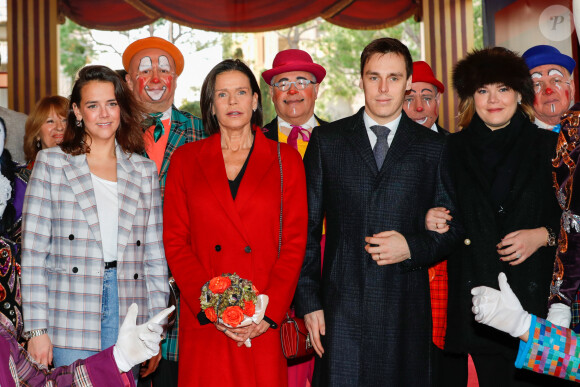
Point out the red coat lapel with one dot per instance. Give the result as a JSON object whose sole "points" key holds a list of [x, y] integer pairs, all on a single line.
{"points": [[263, 157], [214, 170]]}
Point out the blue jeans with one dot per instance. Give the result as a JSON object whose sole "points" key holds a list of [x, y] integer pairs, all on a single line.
{"points": [[109, 323]]}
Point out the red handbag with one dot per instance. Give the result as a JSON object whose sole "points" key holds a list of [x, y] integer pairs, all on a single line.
{"points": [[295, 338]]}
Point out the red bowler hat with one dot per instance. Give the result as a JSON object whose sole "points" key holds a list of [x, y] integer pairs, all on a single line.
{"points": [[422, 73], [294, 60]]}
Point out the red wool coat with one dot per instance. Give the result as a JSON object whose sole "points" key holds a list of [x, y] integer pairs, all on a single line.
{"points": [[207, 233]]}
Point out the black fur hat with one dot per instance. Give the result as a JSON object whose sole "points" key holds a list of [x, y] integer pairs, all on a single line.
{"points": [[493, 65]]}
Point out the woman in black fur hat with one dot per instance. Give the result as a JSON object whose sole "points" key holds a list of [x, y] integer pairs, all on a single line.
{"points": [[501, 165]]}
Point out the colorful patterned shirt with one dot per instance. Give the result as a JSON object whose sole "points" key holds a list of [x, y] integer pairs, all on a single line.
{"points": [[551, 350], [17, 368]]}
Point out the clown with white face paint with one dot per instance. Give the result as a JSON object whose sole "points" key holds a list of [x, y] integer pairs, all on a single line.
{"points": [[153, 66], [551, 72], [156, 80], [294, 80], [422, 101]]}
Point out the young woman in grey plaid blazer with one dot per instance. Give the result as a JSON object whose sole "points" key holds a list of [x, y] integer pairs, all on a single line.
{"points": [[92, 227]]}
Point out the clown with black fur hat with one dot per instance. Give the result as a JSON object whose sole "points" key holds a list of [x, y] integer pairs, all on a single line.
{"points": [[501, 164]]}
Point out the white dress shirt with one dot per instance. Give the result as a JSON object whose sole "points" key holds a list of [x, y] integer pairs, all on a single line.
{"points": [[308, 125], [393, 125]]}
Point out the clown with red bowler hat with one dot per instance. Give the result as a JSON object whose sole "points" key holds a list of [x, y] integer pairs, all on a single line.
{"points": [[422, 101], [294, 81]]}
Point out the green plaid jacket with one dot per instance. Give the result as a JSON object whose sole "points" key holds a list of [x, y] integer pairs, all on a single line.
{"points": [[184, 128]]}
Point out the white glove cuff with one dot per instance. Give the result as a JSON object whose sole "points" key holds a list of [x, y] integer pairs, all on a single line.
{"points": [[122, 363], [560, 314], [523, 327]]}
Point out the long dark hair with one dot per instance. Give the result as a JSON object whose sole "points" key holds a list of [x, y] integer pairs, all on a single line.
{"points": [[129, 135], [210, 122]]}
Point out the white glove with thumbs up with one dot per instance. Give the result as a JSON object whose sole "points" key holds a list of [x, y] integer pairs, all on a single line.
{"points": [[137, 343], [500, 309]]}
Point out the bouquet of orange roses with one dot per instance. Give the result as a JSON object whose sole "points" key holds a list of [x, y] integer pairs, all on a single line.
{"points": [[232, 301]]}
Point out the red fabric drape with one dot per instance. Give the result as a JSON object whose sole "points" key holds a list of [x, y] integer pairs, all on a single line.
{"points": [[375, 14], [113, 15], [236, 15]]}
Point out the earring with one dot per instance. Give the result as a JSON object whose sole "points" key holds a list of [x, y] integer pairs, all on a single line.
{"points": [[519, 102], [254, 110], [79, 123], [38, 144]]}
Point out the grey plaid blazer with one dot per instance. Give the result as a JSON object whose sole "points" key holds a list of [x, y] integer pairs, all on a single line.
{"points": [[62, 258]]}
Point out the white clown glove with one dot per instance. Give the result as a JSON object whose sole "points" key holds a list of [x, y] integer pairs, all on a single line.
{"points": [[137, 343], [500, 309], [560, 314]]}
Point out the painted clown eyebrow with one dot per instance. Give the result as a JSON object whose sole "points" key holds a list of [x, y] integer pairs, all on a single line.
{"points": [[164, 62], [145, 63], [555, 72], [287, 79]]}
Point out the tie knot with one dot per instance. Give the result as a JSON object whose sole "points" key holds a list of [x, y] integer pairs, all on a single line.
{"points": [[380, 131]]}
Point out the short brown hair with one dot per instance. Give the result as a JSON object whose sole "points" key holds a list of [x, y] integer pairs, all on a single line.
{"points": [[210, 123], [37, 118], [385, 46], [129, 135]]}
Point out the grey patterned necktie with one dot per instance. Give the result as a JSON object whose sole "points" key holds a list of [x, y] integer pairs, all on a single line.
{"points": [[382, 146]]}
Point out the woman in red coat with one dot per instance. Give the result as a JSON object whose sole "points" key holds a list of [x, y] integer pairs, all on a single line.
{"points": [[222, 215]]}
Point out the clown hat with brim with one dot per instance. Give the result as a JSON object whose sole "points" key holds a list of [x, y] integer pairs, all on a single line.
{"points": [[153, 42], [422, 72], [294, 60], [543, 55]]}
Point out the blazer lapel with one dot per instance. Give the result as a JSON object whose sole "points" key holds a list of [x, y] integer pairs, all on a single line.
{"points": [[176, 138], [262, 159], [270, 130], [79, 176], [404, 138], [128, 188], [356, 134], [214, 170]]}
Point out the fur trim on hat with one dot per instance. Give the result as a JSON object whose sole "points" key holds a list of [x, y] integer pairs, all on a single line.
{"points": [[493, 65]]}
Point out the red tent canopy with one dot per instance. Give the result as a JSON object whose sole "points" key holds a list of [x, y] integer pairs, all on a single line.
{"points": [[237, 15]]}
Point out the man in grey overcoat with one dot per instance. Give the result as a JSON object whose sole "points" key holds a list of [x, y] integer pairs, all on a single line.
{"points": [[374, 175]]}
